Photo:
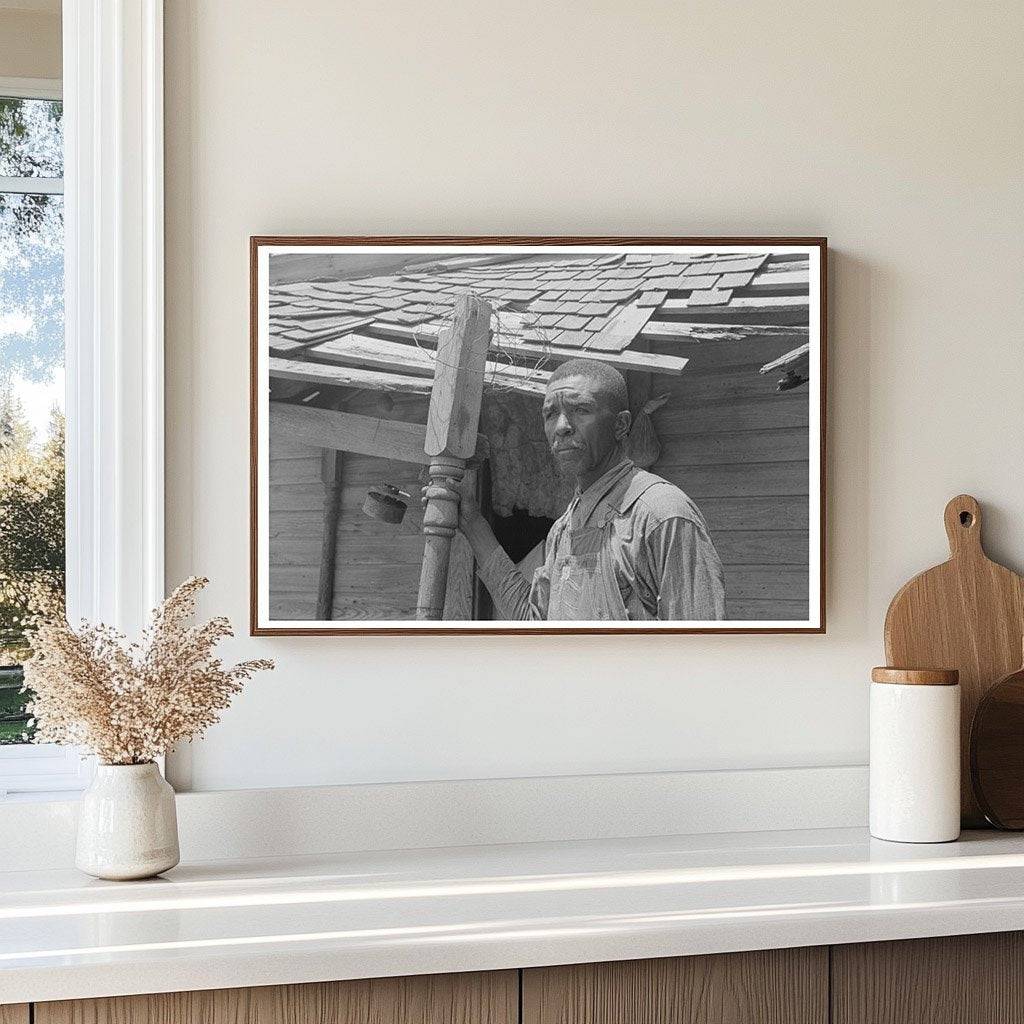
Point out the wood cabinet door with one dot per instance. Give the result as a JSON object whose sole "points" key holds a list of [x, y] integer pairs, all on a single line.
{"points": [[14, 1013], [778, 986], [960, 979], [480, 998]]}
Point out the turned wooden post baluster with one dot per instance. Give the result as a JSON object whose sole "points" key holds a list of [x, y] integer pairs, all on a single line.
{"points": [[451, 438], [440, 524]]}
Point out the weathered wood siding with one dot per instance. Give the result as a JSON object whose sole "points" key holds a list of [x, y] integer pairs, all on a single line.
{"points": [[739, 448], [378, 565]]}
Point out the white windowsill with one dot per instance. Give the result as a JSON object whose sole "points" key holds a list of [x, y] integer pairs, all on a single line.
{"points": [[42, 771]]}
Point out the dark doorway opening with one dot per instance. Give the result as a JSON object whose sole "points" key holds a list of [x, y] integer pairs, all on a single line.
{"points": [[520, 532]]}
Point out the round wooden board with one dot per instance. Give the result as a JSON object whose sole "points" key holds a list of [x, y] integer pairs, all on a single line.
{"points": [[997, 752]]}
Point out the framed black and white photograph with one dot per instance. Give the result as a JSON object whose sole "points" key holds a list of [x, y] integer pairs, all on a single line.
{"points": [[572, 435]]}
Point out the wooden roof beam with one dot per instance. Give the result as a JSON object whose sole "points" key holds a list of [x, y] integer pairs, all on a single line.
{"points": [[550, 355], [351, 432], [643, 362], [346, 377], [377, 354], [795, 366], [798, 359], [780, 310], [667, 330]]}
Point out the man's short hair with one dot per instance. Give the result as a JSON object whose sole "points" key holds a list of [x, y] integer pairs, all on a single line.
{"points": [[606, 379]]}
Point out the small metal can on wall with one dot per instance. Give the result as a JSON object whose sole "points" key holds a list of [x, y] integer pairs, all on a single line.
{"points": [[915, 755]]}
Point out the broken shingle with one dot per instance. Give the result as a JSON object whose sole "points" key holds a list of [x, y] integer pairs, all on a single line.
{"points": [[735, 280], [710, 297]]}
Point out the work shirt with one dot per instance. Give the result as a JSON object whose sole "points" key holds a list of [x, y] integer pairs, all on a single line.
{"points": [[632, 546]]}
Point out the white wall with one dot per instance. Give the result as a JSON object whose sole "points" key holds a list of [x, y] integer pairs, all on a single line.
{"points": [[895, 129]]}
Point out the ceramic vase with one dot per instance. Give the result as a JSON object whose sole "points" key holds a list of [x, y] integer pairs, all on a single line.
{"points": [[127, 825]]}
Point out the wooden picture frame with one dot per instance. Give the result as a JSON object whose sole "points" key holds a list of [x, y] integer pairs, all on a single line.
{"points": [[342, 336]]}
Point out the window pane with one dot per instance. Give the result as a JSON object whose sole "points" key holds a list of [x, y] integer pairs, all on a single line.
{"points": [[31, 290], [31, 431], [14, 726], [31, 140]]}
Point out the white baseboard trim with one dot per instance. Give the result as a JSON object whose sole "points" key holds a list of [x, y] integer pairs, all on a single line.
{"points": [[234, 824]]}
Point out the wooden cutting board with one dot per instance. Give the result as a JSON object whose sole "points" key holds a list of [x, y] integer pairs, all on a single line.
{"points": [[967, 614]]}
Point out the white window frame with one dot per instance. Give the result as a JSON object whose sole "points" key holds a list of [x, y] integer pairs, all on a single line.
{"points": [[32, 88], [114, 325]]}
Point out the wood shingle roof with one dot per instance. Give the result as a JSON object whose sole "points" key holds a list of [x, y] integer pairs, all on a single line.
{"points": [[548, 307]]}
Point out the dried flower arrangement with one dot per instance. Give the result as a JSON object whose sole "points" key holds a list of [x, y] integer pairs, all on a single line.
{"points": [[130, 703]]}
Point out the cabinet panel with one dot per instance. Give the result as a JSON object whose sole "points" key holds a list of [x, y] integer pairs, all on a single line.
{"points": [[778, 986], [480, 998], [14, 1013], [962, 979]]}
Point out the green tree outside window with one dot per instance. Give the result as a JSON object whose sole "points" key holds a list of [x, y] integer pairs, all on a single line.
{"points": [[32, 553]]}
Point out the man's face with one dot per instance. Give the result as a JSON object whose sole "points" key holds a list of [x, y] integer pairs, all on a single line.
{"points": [[581, 428]]}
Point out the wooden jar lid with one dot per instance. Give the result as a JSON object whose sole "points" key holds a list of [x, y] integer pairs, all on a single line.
{"points": [[916, 676]]}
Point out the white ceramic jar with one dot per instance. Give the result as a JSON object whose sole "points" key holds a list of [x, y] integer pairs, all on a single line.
{"points": [[915, 755], [127, 825]]}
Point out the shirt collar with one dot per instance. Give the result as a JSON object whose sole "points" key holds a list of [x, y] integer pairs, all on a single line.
{"points": [[586, 503]]}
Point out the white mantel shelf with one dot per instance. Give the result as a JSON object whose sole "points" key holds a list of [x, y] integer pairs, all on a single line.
{"points": [[275, 921]]}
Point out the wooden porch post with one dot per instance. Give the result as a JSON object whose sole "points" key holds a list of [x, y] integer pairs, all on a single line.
{"points": [[330, 474], [451, 439]]}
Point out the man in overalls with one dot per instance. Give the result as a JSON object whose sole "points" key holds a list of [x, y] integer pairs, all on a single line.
{"points": [[630, 546]]}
